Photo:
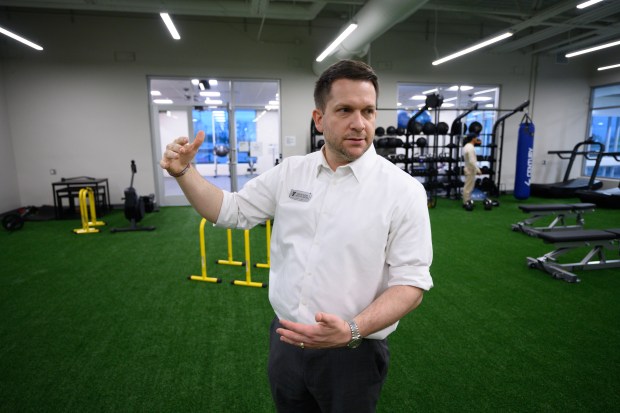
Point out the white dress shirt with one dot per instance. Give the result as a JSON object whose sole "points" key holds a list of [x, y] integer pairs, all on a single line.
{"points": [[339, 238]]}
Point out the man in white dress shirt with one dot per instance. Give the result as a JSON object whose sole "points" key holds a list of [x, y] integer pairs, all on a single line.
{"points": [[351, 248]]}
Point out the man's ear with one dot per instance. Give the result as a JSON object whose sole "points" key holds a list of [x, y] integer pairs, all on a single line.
{"points": [[317, 116]]}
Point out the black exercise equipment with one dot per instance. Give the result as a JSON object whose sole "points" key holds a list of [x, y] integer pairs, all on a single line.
{"points": [[567, 188], [421, 142], [603, 198], [443, 128], [391, 131], [469, 205], [14, 220], [457, 129], [488, 204], [380, 131], [559, 212], [135, 206], [313, 138], [429, 128], [475, 127], [221, 150], [434, 101], [568, 242], [414, 127]]}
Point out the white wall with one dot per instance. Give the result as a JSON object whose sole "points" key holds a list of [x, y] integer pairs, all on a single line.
{"points": [[9, 191], [73, 107]]}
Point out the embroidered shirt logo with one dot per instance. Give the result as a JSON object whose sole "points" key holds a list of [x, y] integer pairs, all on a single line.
{"points": [[300, 195]]}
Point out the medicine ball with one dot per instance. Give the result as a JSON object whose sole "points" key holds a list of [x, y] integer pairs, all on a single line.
{"points": [[475, 127], [221, 150], [414, 127], [421, 142], [400, 131], [320, 143], [488, 204], [429, 128], [443, 128], [391, 131], [458, 128], [380, 131]]}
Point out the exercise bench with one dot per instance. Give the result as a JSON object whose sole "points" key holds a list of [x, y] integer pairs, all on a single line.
{"points": [[560, 212], [566, 241]]}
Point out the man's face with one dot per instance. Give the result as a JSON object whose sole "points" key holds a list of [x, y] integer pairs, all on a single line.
{"points": [[348, 122]]}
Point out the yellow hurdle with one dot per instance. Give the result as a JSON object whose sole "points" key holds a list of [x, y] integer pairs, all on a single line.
{"points": [[230, 260], [88, 224], [268, 236], [203, 258], [248, 273]]}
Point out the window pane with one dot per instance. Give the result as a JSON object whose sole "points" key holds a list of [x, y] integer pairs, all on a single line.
{"points": [[605, 128]]}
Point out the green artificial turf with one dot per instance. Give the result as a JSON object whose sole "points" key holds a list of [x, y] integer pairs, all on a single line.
{"points": [[110, 322]]}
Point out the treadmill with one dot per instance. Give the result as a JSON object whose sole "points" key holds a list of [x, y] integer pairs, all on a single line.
{"points": [[603, 198], [568, 188]]}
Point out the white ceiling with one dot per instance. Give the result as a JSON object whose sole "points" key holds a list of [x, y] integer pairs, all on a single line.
{"points": [[550, 27], [541, 26]]}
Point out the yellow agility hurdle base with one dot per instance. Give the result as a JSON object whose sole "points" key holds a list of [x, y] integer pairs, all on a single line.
{"points": [[268, 237], [248, 268], [203, 258], [88, 224], [230, 260]]}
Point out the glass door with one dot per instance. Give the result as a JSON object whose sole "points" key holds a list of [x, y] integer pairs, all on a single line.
{"points": [[229, 156]]}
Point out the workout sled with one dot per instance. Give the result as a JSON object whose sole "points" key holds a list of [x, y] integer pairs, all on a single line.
{"points": [[566, 241], [559, 211]]}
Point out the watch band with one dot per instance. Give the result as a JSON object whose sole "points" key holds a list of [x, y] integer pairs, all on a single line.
{"points": [[356, 337]]}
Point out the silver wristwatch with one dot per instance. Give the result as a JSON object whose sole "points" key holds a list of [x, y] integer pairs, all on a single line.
{"points": [[356, 338]]}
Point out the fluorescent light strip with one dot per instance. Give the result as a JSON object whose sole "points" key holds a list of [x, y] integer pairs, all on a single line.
{"points": [[592, 49], [20, 39], [608, 67], [472, 48], [588, 4], [485, 91], [173, 30], [336, 42]]}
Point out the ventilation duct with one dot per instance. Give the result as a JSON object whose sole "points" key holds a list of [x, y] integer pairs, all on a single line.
{"points": [[374, 19]]}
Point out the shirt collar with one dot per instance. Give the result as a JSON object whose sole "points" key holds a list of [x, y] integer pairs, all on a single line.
{"points": [[360, 167]]}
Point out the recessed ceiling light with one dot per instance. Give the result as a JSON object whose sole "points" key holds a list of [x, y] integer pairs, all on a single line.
{"points": [[481, 98]]}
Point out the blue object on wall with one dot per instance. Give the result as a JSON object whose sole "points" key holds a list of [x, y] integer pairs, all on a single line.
{"points": [[525, 158]]}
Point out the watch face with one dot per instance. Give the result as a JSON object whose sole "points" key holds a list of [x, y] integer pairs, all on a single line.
{"points": [[355, 343]]}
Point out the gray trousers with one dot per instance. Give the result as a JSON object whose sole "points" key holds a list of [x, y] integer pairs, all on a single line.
{"points": [[331, 380]]}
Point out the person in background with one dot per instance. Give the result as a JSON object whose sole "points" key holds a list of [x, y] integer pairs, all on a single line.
{"points": [[470, 168], [351, 248]]}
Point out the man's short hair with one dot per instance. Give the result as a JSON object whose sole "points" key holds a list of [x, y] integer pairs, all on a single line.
{"points": [[344, 69]]}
